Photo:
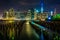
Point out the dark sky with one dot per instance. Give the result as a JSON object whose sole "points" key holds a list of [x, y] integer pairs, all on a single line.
{"points": [[26, 4]]}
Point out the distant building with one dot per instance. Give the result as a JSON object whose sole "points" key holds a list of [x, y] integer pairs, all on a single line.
{"points": [[42, 9], [9, 14], [28, 16], [35, 14], [17, 14], [55, 11], [5, 14], [43, 16], [51, 13], [32, 13]]}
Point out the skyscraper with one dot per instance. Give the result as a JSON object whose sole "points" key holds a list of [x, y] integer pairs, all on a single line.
{"points": [[35, 14], [11, 12], [42, 3], [55, 11], [5, 15], [32, 13]]}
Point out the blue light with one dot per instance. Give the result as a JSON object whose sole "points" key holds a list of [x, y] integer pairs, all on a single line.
{"points": [[42, 4], [41, 27], [49, 18], [42, 36], [42, 8], [37, 11]]}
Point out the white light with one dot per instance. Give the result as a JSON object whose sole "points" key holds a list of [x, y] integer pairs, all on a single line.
{"points": [[41, 9], [51, 13]]}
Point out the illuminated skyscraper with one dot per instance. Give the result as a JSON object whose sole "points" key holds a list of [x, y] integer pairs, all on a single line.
{"points": [[11, 12], [28, 16], [42, 9], [35, 14], [5, 15], [32, 13], [55, 11], [51, 13], [17, 14]]}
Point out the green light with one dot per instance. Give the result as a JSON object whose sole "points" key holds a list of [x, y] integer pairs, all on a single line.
{"points": [[12, 38], [56, 38], [56, 17]]}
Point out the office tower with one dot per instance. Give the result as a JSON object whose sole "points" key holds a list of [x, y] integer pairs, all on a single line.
{"points": [[5, 14], [32, 13], [42, 8], [17, 14], [28, 16], [55, 11], [42, 4], [35, 14], [51, 13], [11, 12]]}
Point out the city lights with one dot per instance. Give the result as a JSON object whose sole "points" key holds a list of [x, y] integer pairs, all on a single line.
{"points": [[42, 8], [51, 13], [37, 11], [29, 20]]}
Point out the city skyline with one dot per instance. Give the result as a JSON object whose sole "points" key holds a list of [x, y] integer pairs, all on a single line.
{"points": [[27, 4], [29, 19]]}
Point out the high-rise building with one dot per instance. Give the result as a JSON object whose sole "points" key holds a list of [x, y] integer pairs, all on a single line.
{"points": [[51, 13], [32, 13], [17, 14], [55, 11], [42, 17], [5, 14], [42, 8], [42, 4], [28, 16], [11, 12], [35, 14]]}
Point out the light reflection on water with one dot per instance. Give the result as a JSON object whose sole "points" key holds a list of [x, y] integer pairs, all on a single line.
{"points": [[29, 31]]}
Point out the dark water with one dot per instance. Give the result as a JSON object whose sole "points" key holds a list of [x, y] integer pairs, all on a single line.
{"points": [[23, 30]]}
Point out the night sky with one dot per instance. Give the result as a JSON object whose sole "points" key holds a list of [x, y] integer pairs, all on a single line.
{"points": [[26, 4]]}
